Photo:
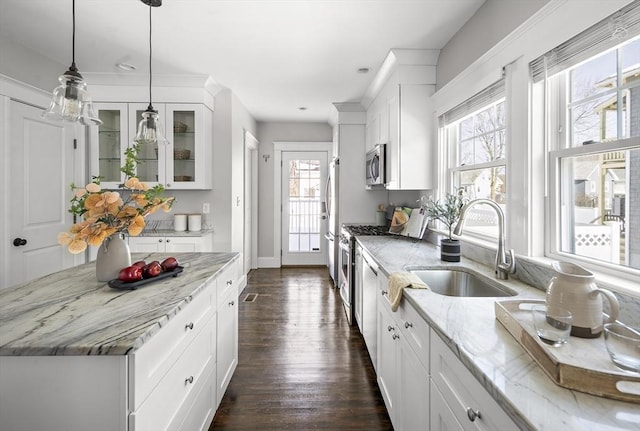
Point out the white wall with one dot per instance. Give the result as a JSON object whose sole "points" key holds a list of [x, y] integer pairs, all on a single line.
{"points": [[491, 23], [267, 134], [28, 66]]}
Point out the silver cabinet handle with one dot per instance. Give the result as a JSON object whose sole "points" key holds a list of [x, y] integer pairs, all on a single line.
{"points": [[229, 282], [408, 325], [168, 240], [395, 336], [160, 240], [473, 414], [384, 292], [232, 303], [188, 380], [188, 325], [390, 328]]}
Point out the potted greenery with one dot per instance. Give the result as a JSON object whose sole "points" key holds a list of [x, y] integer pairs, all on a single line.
{"points": [[448, 213]]}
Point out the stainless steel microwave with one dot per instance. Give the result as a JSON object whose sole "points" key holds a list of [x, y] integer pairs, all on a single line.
{"points": [[375, 165]]}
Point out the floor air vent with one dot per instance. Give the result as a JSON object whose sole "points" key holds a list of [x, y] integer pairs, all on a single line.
{"points": [[250, 297]]}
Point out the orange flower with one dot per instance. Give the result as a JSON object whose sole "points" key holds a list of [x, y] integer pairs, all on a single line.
{"points": [[104, 213], [136, 226]]}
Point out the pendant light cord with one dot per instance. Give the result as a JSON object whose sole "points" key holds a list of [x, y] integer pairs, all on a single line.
{"points": [[73, 37], [150, 108]]}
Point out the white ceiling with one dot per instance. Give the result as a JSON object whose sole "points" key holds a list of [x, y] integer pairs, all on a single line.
{"points": [[276, 56]]}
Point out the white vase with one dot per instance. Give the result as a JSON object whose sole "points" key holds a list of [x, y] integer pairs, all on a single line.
{"points": [[113, 255]]}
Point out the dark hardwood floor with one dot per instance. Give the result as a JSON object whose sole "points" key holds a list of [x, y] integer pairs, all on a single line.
{"points": [[301, 366]]}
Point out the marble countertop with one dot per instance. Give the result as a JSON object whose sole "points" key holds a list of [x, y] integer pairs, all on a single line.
{"points": [[171, 232], [492, 355], [70, 313]]}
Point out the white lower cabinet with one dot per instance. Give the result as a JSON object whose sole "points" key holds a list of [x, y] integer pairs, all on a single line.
{"points": [[464, 396], [442, 418], [171, 244], [227, 340], [424, 385], [173, 382], [402, 377]]}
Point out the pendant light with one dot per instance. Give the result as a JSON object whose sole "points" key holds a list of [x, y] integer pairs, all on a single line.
{"points": [[149, 129], [71, 101]]}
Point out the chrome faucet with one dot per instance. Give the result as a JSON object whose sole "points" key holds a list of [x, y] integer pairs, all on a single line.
{"points": [[503, 266]]}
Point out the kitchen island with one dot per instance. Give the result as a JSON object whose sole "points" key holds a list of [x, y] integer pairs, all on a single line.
{"points": [[489, 355], [76, 354]]}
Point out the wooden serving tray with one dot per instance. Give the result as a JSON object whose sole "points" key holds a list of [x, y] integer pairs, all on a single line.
{"points": [[583, 364]]}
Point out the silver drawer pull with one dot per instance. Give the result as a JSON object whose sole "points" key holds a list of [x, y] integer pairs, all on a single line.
{"points": [[473, 414], [408, 325], [188, 380], [390, 328], [232, 303], [188, 325], [229, 282], [395, 336], [384, 292]]}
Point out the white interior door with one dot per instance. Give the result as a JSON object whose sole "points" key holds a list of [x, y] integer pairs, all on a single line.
{"points": [[41, 171], [250, 199], [303, 223]]}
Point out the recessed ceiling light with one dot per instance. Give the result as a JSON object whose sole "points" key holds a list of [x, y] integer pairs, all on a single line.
{"points": [[126, 66], [363, 70], [302, 108]]}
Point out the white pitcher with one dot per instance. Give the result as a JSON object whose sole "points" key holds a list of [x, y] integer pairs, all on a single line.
{"points": [[574, 288]]}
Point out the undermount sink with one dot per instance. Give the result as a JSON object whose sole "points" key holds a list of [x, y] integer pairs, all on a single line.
{"points": [[455, 282]]}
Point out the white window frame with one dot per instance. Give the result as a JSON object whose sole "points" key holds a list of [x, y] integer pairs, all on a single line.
{"points": [[554, 217], [451, 149]]}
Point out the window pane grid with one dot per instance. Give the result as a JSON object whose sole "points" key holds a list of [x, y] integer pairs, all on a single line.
{"points": [[304, 206]]}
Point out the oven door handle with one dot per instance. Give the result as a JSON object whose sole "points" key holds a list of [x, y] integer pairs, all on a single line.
{"points": [[345, 246]]}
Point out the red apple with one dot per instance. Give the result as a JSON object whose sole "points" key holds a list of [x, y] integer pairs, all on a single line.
{"points": [[169, 264], [152, 269], [140, 264], [130, 274]]}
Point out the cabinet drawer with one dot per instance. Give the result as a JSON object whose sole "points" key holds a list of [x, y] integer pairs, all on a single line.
{"points": [[227, 279], [463, 392], [415, 330], [192, 370], [152, 361]]}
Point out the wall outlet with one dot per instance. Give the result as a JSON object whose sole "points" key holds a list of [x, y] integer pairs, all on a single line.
{"points": [[205, 208]]}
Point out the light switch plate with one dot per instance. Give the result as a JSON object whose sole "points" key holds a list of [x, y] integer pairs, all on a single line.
{"points": [[205, 208]]}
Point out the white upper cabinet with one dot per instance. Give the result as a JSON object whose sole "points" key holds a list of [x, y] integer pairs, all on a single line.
{"points": [[181, 164], [400, 115]]}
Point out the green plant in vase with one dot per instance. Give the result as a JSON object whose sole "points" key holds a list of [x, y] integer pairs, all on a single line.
{"points": [[447, 212]]}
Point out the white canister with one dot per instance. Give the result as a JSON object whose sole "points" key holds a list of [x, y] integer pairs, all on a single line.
{"points": [[195, 222], [180, 222]]}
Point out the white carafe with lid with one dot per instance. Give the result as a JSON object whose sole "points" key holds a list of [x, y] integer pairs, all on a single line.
{"points": [[574, 288]]}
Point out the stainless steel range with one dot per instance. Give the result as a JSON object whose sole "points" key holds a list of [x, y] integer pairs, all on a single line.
{"points": [[346, 260]]}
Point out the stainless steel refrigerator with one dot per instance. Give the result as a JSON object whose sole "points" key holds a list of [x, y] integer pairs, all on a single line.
{"points": [[333, 229], [347, 198]]}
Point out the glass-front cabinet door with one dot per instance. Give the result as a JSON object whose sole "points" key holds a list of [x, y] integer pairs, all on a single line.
{"points": [[187, 131], [151, 158], [108, 142], [183, 163]]}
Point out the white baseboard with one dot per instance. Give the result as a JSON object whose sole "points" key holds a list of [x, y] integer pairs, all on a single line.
{"points": [[268, 262]]}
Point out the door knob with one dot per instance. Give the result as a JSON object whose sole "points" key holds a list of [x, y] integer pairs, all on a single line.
{"points": [[19, 241]]}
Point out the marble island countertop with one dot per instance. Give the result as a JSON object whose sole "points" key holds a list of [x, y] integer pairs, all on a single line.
{"points": [[70, 313], [492, 355]]}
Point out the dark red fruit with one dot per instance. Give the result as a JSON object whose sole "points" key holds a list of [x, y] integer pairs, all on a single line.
{"points": [[140, 264], [152, 269], [169, 264], [130, 274]]}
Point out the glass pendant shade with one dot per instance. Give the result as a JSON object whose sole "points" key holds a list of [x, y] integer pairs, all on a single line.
{"points": [[71, 101], [150, 129]]}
